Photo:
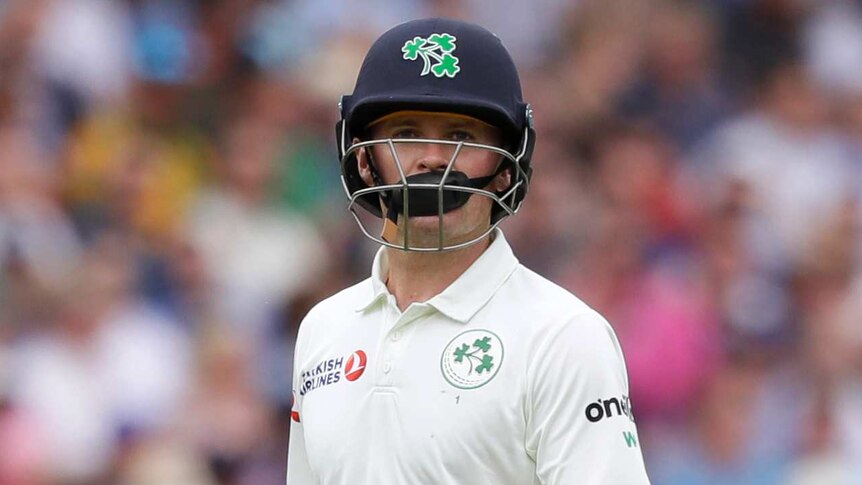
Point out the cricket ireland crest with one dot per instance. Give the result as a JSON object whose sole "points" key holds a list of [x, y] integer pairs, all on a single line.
{"points": [[472, 359], [436, 53]]}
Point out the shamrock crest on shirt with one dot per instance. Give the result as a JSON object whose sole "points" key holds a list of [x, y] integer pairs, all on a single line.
{"points": [[471, 359], [485, 362]]}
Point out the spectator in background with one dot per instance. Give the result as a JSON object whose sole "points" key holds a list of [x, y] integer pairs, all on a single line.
{"points": [[34, 229], [638, 263], [832, 46], [81, 50], [680, 90], [137, 165], [228, 418], [600, 53], [716, 446], [257, 254], [756, 37], [107, 364], [23, 454], [793, 167], [828, 353]]}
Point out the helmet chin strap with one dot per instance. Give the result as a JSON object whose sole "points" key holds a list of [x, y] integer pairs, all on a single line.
{"points": [[425, 201]]}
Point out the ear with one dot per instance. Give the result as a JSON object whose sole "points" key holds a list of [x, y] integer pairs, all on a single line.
{"points": [[503, 181], [363, 165]]}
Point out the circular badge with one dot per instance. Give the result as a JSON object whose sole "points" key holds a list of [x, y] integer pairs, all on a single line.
{"points": [[355, 365], [472, 359]]}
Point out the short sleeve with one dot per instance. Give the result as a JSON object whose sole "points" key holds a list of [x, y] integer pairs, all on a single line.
{"points": [[580, 424]]}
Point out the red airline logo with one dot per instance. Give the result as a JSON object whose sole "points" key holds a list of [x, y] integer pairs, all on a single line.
{"points": [[355, 365], [294, 414]]}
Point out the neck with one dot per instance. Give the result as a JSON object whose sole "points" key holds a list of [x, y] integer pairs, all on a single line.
{"points": [[418, 277]]}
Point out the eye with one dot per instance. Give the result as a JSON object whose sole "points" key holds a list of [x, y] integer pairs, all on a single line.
{"points": [[405, 133], [462, 135]]}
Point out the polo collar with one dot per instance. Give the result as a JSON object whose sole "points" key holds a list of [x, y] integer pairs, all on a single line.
{"points": [[467, 294]]}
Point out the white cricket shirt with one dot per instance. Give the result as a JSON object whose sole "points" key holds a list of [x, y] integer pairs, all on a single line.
{"points": [[503, 378]]}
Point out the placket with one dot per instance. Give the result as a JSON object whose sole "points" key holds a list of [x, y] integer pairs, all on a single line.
{"points": [[395, 336]]}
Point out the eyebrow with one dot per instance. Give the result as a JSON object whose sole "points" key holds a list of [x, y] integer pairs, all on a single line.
{"points": [[413, 122]]}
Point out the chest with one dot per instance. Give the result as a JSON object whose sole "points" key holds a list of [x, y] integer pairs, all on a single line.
{"points": [[425, 398]]}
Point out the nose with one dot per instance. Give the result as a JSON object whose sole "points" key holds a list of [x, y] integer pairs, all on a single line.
{"points": [[434, 156]]}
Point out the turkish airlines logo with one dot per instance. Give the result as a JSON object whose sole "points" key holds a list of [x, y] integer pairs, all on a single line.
{"points": [[331, 371], [355, 365]]}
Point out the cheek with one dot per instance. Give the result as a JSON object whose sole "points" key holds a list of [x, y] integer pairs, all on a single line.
{"points": [[479, 164], [385, 164]]}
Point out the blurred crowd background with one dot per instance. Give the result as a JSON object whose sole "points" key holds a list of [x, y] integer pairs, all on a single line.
{"points": [[170, 207]]}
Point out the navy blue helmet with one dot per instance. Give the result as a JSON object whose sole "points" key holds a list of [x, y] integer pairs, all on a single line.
{"points": [[437, 65]]}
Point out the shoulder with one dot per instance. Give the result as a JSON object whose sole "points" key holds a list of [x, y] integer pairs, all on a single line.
{"points": [[549, 304], [346, 300], [562, 324], [334, 309]]}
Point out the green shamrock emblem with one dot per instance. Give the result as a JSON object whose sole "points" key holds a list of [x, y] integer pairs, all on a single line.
{"points": [[472, 358], [445, 41], [487, 363], [480, 346], [448, 66], [483, 343], [460, 352], [436, 54], [412, 48]]}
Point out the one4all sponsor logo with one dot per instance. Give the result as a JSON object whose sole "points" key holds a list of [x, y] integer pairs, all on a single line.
{"points": [[607, 408], [331, 371]]}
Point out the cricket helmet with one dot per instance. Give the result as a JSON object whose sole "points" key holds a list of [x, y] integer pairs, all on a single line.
{"points": [[436, 65]]}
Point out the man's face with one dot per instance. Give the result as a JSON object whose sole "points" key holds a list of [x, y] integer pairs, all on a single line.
{"points": [[459, 225]]}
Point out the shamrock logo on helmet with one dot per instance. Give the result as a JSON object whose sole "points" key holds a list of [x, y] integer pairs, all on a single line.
{"points": [[436, 54]]}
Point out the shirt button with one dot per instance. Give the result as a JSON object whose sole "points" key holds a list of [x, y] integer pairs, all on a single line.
{"points": [[395, 336], [387, 367]]}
